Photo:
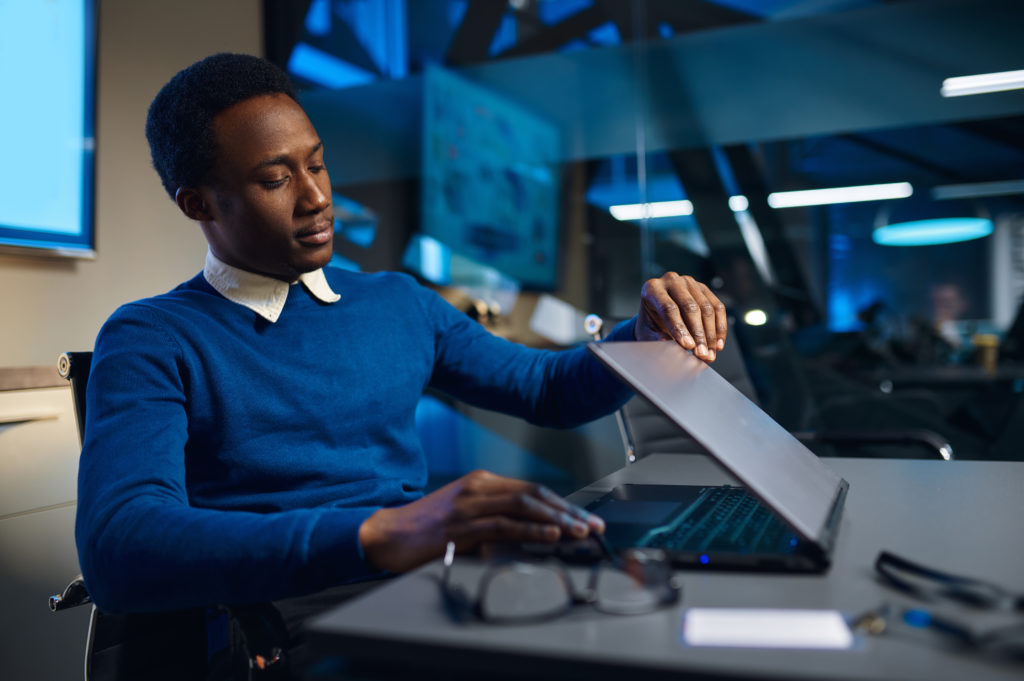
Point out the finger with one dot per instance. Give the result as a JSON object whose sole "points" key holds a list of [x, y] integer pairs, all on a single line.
{"points": [[687, 293], [664, 313], [689, 306], [595, 522], [501, 529], [524, 506], [721, 318], [707, 312], [486, 483]]}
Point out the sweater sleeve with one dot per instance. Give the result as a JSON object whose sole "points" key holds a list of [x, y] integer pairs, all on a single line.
{"points": [[560, 389], [141, 545]]}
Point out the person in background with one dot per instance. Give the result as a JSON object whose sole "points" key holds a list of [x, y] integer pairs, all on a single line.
{"points": [[949, 303]]}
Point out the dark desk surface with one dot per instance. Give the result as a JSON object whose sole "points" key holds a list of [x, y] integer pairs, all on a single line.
{"points": [[964, 515]]}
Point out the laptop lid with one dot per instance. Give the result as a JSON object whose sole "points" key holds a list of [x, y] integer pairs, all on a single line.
{"points": [[764, 456]]}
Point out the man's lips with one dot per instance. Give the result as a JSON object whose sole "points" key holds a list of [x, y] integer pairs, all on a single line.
{"points": [[319, 233]]}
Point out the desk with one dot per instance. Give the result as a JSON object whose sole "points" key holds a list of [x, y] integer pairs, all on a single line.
{"points": [[940, 513]]}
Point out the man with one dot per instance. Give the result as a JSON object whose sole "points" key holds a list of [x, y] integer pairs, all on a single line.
{"points": [[250, 434]]}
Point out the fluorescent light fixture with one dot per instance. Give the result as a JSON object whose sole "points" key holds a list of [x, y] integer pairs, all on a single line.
{"points": [[756, 317], [932, 232], [982, 83], [977, 189], [738, 203], [818, 197], [659, 209]]}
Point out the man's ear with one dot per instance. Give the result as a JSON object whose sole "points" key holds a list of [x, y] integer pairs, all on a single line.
{"points": [[192, 203]]}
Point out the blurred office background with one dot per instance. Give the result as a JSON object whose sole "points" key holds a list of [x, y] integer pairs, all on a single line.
{"points": [[537, 160]]}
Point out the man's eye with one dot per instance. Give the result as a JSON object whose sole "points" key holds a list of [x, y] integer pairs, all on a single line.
{"points": [[316, 168], [273, 184]]}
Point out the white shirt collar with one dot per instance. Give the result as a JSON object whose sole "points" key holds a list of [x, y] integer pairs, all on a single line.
{"points": [[262, 294]]}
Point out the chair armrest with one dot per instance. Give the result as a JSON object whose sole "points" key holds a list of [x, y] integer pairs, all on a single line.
{"points": [[74, 594]]}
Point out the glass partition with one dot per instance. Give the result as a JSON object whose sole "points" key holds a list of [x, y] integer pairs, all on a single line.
{"points": [[811, 161]]}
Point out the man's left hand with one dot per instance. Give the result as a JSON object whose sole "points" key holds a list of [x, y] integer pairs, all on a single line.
{"points": [[685, 310]]}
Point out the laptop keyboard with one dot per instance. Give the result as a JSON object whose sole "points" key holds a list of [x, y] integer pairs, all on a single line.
{"points": [[727, 519]]}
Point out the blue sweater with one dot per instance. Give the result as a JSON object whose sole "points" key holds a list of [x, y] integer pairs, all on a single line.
{"points": [[229, 459]]}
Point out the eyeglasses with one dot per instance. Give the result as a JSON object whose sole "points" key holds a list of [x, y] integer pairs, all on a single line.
{"points": [[636, 582], [931, 584]]}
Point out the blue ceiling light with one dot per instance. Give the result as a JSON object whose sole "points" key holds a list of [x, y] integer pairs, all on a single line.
{"points": [[925, 222], [932, 232]]}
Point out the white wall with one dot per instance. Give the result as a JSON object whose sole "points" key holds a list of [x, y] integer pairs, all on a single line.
{"points": [[144, 245]]}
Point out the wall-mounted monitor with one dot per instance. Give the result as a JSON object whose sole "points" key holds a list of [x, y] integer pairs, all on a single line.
{"points": [[490, 179], [48, 52]]}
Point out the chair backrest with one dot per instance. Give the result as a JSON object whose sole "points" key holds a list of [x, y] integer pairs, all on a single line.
{"points": [[74, 366]]}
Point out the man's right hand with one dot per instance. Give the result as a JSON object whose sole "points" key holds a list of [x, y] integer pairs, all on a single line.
{"points": [[478, 508]]}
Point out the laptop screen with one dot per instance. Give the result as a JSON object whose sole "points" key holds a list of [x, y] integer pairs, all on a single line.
{"points": [[763, 455]]}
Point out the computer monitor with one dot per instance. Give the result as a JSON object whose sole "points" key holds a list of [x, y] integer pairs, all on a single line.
{"points": [[48, 48]]}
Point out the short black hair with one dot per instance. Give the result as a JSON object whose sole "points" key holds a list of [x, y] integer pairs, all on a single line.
{"points": [[178, 126]]}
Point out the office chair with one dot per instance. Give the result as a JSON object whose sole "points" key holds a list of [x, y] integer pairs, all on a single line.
{"points": [[166, 645], [645, 430], [74, 367]]}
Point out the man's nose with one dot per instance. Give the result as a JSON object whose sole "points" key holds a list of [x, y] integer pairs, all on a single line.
{"points": [[316, 194]]}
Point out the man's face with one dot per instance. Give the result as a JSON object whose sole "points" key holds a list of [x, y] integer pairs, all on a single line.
{"points": [[269, 196]]}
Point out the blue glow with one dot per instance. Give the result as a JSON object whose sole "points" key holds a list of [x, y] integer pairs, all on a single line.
{"points": [[344, 263], [318, 18], [704, 560], [325, 69], [793, 541], [430, 258], [932, 232], [353, 221], [505, 37], [917, 618], [556, 12], [361, 235], [605, 34]]}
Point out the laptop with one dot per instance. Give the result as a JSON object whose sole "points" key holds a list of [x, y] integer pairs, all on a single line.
{"points": [[783, 517]]}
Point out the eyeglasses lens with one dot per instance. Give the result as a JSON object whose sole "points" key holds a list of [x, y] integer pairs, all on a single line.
{"points": [[641, 584], [523, 592]]}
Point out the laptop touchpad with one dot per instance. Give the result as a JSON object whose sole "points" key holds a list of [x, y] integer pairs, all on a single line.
{"points": [[630, 511]]}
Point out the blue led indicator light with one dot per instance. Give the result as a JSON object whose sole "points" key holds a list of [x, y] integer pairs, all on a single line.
{"points": [[704, 560], [917, 618]]}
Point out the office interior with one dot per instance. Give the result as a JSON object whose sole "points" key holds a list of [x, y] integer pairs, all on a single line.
{"points": [[535, 161]]}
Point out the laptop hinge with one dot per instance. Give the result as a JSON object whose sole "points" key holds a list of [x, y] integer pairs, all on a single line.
{"points": [[831, 528]]}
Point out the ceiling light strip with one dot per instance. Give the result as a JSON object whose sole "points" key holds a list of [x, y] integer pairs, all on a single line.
{"points": [[819, 197], [982, 83], [977, 189], [658, 209]]}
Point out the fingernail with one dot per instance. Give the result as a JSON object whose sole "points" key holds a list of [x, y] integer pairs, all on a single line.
{"points": [[711, 355], [580, 529], [552, 532], [702, 350], [721, 343]]}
